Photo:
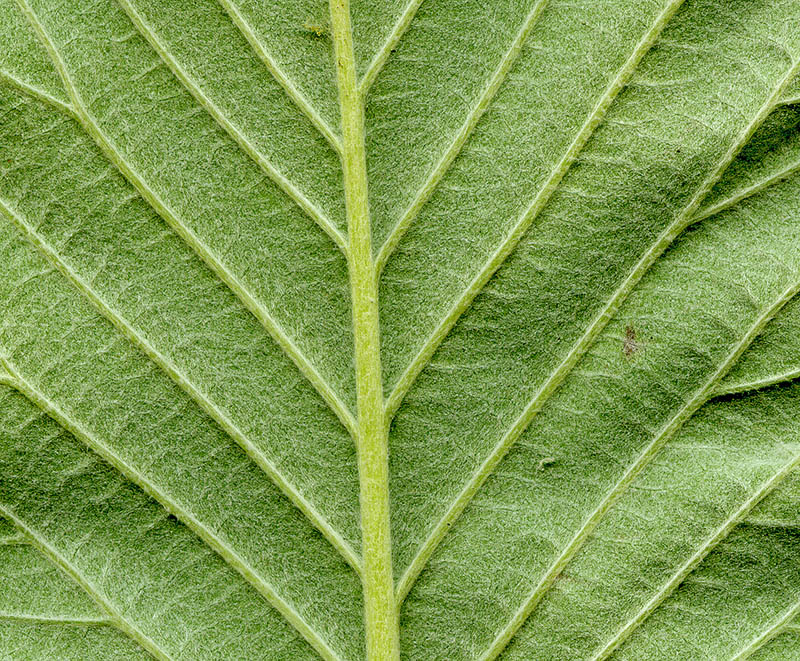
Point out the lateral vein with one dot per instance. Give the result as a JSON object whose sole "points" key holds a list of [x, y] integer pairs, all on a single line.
{"points": [[757, 385], [19, 539], [526, 219], [185, 383], [35, 619], [701, 395], [441, 168], [116, 617], [172, 506], [308, 207], [38, 94], [682, 220], [283, 80], [377, 62], [783, 623], [727, 203], [201, 249], [705, 548]]}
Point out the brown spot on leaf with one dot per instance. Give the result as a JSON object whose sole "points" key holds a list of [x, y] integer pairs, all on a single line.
{"points": [[630, 345]]}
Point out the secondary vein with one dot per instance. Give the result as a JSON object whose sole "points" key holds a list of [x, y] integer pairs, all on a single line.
{"points": [[283, 80], [424, 355], [701, 395], [461, 137], [172, 505], [743, 194], [115, 616], [34, 619], [308, 207], [758, 384], [705, 548], [377, 62], [203, 251], [682, 220], [783, 623], [38, 94], [186, 384]]}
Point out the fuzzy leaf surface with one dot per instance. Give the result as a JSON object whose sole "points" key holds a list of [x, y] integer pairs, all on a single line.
{"points": [[581, 243]]}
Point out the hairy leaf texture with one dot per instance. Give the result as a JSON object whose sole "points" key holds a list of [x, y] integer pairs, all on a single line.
{"points": [[417, 329]]}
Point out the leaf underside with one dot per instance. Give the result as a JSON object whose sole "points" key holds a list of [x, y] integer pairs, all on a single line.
{"points": [[585, 229]]}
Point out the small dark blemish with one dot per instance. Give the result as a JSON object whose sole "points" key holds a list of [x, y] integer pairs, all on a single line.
{"points": [[546, 461], [316, 29], [631, 344]]}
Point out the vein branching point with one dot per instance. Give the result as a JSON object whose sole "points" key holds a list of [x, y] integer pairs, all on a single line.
{"points": [[380, 607]]}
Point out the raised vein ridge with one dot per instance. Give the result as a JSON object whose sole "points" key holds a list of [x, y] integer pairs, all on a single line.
{"points": [[280, 76], [172, 506], [743, 194], [460, 139], [701, 395], [392, 40], [202, 250], [39, 94], [314, 212], [177, 376], [380, 607], [115, 617], [783, 623], [705, 548], [683, 220], [424, 355]]}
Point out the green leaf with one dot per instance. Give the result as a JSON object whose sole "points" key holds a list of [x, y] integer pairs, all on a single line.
{"points": [[427, 330]]}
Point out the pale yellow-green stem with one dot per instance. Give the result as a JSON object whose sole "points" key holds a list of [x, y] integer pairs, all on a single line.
{"points": [[380, 607]]}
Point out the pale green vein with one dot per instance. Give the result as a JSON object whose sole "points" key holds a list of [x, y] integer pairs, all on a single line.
{"points": [[743, 194], [314, 212], [7, 379], [173, 506], [757, 385], [18, 539], [582, 345], [526, 219], [201, 249], [116, 617], [36, 619], [283, 80], [377, 62], [703, 550], [38, 94], [701, 395], [790, 101], [380, 607], [172, 370], [783, 623], [460, 139]]}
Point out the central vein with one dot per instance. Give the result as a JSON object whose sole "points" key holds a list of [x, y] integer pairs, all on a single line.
{"points": [[380, 607]]}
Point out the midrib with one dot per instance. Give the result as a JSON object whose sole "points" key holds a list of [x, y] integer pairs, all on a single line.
{"points": [[380, 607]]}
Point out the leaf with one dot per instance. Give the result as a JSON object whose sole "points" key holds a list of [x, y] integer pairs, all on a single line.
{"points": [[421, 330]]}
